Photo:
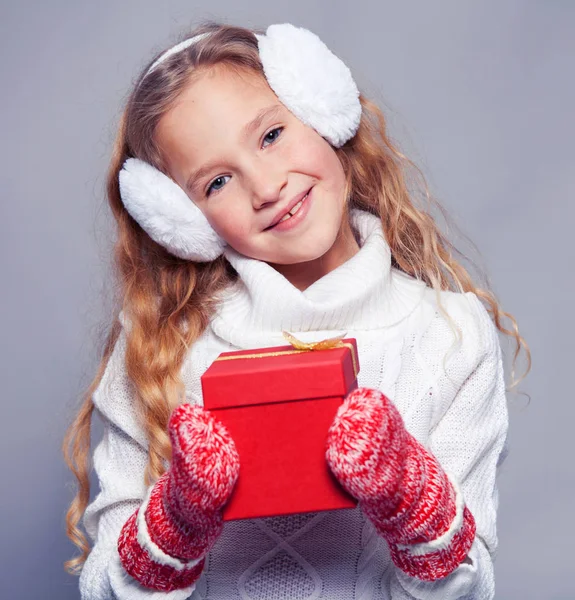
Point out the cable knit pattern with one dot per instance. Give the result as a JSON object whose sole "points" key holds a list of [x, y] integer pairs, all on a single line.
{"points": [[367, 563], [455, 408], [297, 578]]}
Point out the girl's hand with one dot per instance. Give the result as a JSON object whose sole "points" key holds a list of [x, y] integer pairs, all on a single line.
{"points": [[366, 447], [400, 485], [205, 462], [164, 543]]}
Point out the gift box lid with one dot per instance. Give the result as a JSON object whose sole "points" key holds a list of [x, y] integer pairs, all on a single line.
{"points": [[279, 374]]}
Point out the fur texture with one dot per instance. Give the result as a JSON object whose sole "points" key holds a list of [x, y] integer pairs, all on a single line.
{"points": [[314, 84], [166, 214]]}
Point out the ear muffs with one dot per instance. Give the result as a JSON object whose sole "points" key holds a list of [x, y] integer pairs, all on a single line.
{"points": [[311, 81], [166, 213]]}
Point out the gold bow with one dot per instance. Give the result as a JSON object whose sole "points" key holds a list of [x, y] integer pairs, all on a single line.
{"points": [[334, 342]]}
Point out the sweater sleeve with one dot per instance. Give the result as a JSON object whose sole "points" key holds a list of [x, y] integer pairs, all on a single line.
{"points": [[119, 460], [469, 441]]}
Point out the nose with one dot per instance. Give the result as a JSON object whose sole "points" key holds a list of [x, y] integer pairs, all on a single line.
{"points": [[267, 183]]}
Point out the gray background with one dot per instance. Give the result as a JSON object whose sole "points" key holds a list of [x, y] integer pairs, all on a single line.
{"points": [[479, 94]]}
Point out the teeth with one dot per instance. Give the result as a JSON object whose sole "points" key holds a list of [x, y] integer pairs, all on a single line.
{"points": [[293, 211]]}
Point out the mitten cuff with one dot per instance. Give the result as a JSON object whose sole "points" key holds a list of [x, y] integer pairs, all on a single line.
{"points": [[145, 560], [141, 566], [167, 540], [438, 558]]}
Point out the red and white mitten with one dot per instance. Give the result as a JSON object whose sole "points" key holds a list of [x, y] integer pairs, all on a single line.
{"points": [[164, 543], [400, 485]]}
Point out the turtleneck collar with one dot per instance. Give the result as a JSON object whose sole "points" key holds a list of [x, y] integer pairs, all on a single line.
{"points": [[365, 292]]}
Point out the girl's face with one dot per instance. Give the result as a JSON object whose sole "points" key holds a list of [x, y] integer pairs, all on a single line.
{"points": [[245, 160]]}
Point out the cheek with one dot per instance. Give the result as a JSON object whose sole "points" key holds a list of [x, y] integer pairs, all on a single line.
{"points": [[228, 223], [316, 154]]}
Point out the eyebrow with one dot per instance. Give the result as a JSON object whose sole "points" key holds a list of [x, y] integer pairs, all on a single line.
{"points": [[247, 130]]}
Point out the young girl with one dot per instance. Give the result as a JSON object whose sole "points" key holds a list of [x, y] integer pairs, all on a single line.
{"points": [[255, 192]]}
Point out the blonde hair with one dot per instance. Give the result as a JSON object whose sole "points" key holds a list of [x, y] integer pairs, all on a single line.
{"points": [[169, 301]]}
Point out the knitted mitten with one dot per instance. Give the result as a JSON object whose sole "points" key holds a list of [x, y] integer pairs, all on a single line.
{"points": [[164, 543], [400, 485]]}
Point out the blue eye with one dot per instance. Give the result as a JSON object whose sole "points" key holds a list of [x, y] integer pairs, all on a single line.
{"points": [[214, 182], [271, 140]]}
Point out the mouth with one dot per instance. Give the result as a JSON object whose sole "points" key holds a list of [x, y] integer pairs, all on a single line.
{"points": [[290, 213]]}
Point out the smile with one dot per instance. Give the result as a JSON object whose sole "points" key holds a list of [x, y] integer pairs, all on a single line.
{"points": [[294, 216]]}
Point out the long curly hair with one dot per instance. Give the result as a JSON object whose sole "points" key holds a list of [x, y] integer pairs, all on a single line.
{"points": [[169, 301]]}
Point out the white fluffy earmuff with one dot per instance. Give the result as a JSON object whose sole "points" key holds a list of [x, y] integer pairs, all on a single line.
{"points": [[313, 83]]}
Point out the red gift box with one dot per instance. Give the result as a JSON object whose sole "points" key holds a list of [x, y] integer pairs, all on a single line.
{"points": [[278, 404]]}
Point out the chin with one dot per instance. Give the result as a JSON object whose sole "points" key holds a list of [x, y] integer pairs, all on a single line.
{"points": [[305, 255]]}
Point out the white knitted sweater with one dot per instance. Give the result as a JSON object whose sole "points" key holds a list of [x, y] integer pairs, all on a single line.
{"points": [[459, 412]]}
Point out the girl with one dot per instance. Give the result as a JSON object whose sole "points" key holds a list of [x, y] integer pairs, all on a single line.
{"points": [[256, 191]]}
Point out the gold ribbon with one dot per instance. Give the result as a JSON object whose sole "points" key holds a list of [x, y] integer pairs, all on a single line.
{"points": [[300, 346]]}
